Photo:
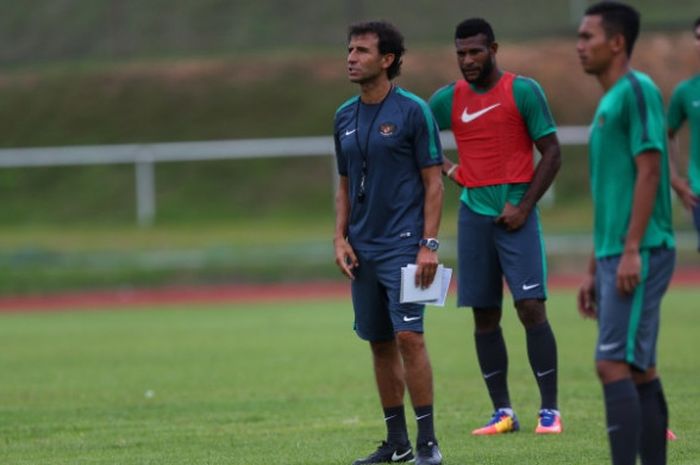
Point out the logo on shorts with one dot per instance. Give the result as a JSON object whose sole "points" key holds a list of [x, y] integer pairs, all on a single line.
{"points": [[387, 129], [608, 347], [408, 319], [527, 287]]}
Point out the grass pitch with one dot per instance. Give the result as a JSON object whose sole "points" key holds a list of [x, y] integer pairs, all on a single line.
{"points": [[289, 383]]}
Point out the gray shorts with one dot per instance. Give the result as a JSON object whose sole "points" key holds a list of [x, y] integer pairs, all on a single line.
{"points": [[376, 292], [487, 253], [628, 325]]}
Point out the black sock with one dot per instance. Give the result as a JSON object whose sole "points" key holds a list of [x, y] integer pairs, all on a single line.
{"points": [[493, 360], [624, 417], [424, 419], [395, 419], [652, 448], [542, 352]]}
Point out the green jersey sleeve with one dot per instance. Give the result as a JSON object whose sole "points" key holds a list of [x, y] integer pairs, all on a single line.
{"points": [[676, 109], [533, 106], [647, 120], [441, 106]]}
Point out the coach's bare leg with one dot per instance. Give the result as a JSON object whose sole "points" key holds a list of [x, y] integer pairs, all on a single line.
{"points": [[388, 372], [418, 372]]}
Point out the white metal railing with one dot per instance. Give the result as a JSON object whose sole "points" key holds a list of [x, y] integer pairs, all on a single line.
{"points": [[144, 156]]}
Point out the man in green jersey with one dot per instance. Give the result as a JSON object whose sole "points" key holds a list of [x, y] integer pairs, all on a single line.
{"points": [[634, 255], [685, 105]]}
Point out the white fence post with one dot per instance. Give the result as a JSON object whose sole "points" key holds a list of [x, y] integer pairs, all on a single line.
{"points": [[145, 192]]}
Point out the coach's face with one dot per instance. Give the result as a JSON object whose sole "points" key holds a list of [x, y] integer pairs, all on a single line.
{"points": [[594, 48], [365, 63], [476, 58]]}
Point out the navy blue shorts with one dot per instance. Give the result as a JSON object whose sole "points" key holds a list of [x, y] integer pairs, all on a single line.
{"points": [[628, 324], [375, 295], [696, 220], [487, 253]]}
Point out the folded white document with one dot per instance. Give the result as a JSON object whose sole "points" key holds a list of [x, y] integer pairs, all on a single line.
{"points": [[435, 294]]}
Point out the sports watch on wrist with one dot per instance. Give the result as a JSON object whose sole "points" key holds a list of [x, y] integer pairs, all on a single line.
{"points": [[430, 243]]}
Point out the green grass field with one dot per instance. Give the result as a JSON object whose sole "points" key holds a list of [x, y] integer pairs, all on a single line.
{"points": [[289, 383]]}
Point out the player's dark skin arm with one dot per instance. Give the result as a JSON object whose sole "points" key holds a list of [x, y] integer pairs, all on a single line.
{"points": [[645, 187], [678, 182], [345, 257], [586, 293], [427, 260], [514, 216]]}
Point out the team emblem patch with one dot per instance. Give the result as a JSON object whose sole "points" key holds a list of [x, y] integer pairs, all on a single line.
{"points": [[387, 129]]}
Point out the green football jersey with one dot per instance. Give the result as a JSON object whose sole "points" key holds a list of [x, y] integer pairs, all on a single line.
{"points": [[685, 105], [629, 121], [534, 110]]}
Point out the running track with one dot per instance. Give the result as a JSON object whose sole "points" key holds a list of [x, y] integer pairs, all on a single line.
{"points": [[237, 293]]}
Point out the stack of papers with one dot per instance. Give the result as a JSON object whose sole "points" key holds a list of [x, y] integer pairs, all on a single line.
{"points": [[435, 294]]}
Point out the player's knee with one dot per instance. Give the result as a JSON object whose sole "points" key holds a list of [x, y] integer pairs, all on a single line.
{"points": [[531, 312], [643, 377], [487, 320], [610, 371]]}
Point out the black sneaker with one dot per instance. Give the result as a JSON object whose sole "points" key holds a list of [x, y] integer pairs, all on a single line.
{"points": [[388, 453], [428, 454]]}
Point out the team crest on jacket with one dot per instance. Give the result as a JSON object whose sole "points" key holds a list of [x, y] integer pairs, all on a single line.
{"points": [[387, 129]]}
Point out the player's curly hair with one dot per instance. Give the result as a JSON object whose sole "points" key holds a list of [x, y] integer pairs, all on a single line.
{"points": [[474, 26], [390, 41]]}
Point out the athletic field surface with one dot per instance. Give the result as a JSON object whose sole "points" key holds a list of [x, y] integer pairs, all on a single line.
{"points": [[281, 378]]}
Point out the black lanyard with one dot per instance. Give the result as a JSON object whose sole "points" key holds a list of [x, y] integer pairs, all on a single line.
{"points": [[361, 194]]}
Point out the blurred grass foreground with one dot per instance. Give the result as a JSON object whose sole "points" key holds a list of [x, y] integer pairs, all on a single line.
{"points": [[78, 72]]}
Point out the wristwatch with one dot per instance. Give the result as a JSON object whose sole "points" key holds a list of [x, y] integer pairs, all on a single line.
{"points": [[430, 243]]}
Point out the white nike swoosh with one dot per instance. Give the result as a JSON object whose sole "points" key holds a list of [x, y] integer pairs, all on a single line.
{"points": [[545, 373], [613, 428], [389, 418], [411, 318], [423, 416], [527, 287], [397, 457], [607, 347], [467, 117], [348, 131], [493, 373]]}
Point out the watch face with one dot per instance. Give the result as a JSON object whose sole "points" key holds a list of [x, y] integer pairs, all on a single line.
{"points": [[431, 244]]}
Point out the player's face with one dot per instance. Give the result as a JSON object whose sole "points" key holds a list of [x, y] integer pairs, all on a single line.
{"points": [[593, 45], [476, 59], [365, 63]]}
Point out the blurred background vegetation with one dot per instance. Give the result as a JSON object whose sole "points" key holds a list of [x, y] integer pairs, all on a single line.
{"points": [[127, 71]]}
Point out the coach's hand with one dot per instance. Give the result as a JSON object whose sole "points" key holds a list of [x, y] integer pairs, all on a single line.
{"points": [[586, 298], [629, 271], [512, 217], [427, 262], [345, 257]]}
